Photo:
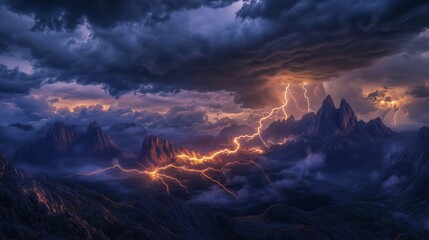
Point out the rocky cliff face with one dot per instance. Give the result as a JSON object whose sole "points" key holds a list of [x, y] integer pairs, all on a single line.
{"points": [[156, 151], [60, 137]]}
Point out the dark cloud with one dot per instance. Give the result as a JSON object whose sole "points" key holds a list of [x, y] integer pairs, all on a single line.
{"points": [[13, 81], [420, 91], [376, 95], [68, 15], [296, 40]]}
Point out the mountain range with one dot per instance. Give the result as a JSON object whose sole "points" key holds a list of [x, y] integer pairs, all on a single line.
{"points": [[336, 178], [64, 141], [328, 121]]}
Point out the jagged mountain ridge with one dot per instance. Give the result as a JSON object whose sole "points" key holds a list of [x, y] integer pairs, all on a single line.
{"points": [[62, 140], [328, 120]]}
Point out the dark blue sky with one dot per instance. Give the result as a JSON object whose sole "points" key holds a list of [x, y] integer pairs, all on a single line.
{"points": [[203, 64]]}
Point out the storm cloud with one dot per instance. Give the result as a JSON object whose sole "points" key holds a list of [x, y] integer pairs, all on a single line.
{"points": [[153, 46]]}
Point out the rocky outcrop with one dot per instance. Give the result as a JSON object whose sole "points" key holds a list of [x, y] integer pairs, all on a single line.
{"points": [[157, 152]]}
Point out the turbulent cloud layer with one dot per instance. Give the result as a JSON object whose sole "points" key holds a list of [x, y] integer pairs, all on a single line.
{"points": [[248, 48]]}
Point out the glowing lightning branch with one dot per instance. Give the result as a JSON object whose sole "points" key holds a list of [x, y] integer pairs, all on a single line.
{"points": [[237, 140], [296, 102], [396, 110], [159, 174], [306, 97], [194, 164]]}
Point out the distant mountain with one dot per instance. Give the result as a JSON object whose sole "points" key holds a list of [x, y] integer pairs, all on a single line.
{"points": [[345, 142], [408, 170], [157, 152], [62, 141], [97, 143], [328, 121]]}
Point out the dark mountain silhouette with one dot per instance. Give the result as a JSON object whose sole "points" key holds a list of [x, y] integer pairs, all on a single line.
{"points": [[346, 142], [97, 143], [328, 121], [157, 152], [61, 141]]}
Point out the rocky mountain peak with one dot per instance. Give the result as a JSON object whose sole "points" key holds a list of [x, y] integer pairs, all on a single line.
{"points": [[328, 103], [326, 117], [61, 136], [376, 127], [347, 118], [156, 151], [330, 120], [98, 142]]}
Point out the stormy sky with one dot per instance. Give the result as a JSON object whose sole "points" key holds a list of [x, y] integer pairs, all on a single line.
{"points": [[200, 65]]}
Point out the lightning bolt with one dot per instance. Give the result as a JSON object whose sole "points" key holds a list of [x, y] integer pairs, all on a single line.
{"points": [[396, 110], [296, 102], [158, 173], [247, 138], [194, 164], [303, 86]]}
